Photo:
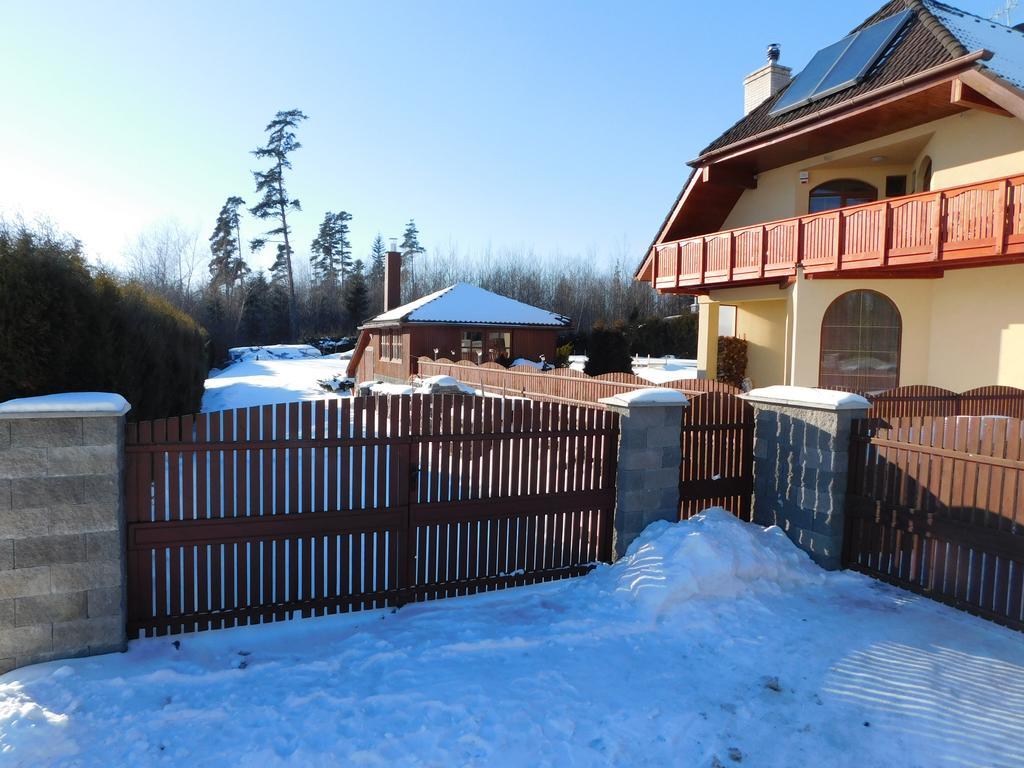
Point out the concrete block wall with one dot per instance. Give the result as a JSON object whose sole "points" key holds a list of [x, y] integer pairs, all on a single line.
{"points": [[647, 479], [62, 581], [801, 455]]}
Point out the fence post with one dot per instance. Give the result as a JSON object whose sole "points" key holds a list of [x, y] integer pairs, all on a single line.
{"points": [[649, 454], [62, 564], [801, 459]]}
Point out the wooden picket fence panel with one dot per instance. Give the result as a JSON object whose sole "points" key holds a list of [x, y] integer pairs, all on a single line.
{"points": [[922, 400], [936, 504], [563, 385], [258, 514], [717, 440]]}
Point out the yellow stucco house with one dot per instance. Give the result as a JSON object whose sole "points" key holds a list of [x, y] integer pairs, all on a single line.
{"points": [[862, 225]]}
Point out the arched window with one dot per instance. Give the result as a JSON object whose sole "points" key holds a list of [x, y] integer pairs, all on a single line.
{"points": [[840, 193], [926, 174], [860, 343]]}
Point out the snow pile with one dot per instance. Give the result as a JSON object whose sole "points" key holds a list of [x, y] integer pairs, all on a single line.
{"points": [[443, 384], [273, 352], [822, 398], [713, 555], [100, 403]]}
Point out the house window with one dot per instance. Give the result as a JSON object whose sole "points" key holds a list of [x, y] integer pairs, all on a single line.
{"points": [[385, 345], [840, 193], [860, 343], [499, 345], [895, 186], [472, 345], [396, 346]]}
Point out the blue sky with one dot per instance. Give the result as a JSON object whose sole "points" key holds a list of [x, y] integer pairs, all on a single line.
{"points": [[563, 127]]}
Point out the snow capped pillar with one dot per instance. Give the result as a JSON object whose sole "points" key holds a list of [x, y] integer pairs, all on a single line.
{"points": [[62, 546], [647, 477], [801, 456]]}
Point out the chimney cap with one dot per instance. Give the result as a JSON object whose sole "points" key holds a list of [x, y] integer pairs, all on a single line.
{"points": [[774, 51]]}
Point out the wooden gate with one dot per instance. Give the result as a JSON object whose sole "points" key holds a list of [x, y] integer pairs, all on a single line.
{"points": [[258, 514], [717, 439], [935, 504]]}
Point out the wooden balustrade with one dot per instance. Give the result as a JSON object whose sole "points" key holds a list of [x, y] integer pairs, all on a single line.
{"points": [[976, 223]]}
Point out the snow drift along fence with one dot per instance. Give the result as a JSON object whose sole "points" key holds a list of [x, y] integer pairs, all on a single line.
{"points": [[558, 384], [936, 504], [921, 400], [253, 515]]}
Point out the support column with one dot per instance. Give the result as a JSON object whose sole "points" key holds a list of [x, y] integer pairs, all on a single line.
{"points": [[801, 456], [707, 339], [62, 577], [647, 478]]}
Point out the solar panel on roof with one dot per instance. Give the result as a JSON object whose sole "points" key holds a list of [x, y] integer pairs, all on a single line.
{"points": [[842, 64]]}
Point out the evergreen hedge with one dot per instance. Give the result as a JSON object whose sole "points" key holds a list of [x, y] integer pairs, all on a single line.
{"points": [[732, 360], [64, 330]]}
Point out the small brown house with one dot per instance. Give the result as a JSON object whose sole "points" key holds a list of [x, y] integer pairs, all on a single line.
{"points": [[461, 322]]}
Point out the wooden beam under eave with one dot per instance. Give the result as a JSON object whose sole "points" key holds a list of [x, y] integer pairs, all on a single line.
{"points": [[873, 273], [730, 177], [996, 90], [962, 95]]}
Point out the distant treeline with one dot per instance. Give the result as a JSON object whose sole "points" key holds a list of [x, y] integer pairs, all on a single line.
{"points": [[66, 328]]}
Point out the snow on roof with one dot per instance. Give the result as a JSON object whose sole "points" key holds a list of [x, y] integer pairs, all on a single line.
{"points": [[975, 33], [649, 396], [465, 303], [809, 396], [77, 403]]}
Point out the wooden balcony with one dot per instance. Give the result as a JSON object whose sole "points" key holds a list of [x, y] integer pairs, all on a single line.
{"points": [[910, 236]]}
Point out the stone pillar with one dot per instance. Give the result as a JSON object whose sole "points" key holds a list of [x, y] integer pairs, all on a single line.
{"points": [[62, 579], [801, 455], [707, 339], [647, 479]]}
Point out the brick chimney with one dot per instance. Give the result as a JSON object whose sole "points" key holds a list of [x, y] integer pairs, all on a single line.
{"points": [[766, 81], [392, 280]]}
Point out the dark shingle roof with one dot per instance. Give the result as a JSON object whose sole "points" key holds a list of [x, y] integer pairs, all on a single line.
{"points": [[923, 43]]}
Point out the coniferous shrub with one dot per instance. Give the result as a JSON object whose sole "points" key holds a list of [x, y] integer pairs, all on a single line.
{"points": [[608, 349], [64, 330], [732, 360]]}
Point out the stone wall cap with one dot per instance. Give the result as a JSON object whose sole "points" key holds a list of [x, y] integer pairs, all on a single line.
{"points": [[648, 397], [64, 405], [808, 397]]}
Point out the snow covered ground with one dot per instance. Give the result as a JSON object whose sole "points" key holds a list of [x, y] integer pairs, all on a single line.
{"points": [[659, 370], [258, 382], [713, 643]]}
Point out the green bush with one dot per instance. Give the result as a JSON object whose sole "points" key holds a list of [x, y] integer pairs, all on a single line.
{"points": [[732, 360], [63, 330], [608, 349]]}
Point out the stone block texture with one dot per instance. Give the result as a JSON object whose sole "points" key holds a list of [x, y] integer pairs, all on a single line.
{"points": [[800, 465], [647, 480], [62, 582]]}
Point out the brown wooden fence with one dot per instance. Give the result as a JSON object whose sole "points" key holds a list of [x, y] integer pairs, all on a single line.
{"points": [[558, 384], [717, 439], [920, 400], [253, 515], [936, 504]]}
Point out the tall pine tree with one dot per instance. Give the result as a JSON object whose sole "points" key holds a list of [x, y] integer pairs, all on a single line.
{"points": [[227, 266], [276, 203], [332, 251], [356, 301], [378, 256], [410, 249]]}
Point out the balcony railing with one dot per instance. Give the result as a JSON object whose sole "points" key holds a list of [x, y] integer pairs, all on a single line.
{"points": [[979, 222]]}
